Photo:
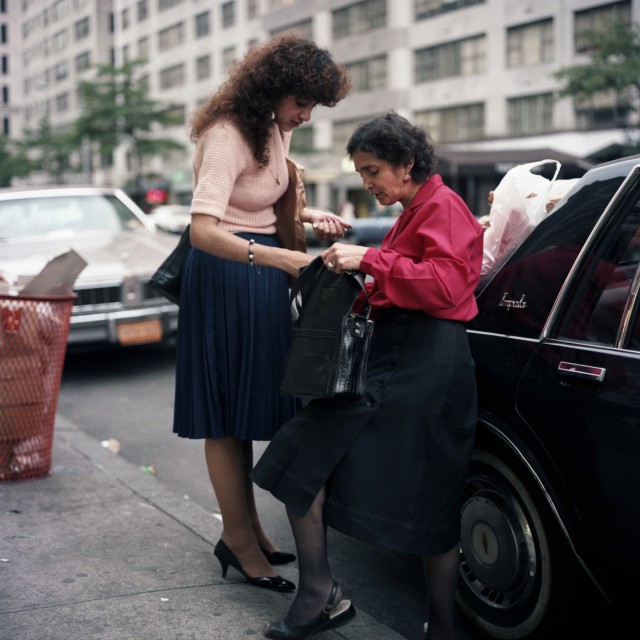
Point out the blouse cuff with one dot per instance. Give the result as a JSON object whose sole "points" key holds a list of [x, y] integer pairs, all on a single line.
{"points": [[369, 258]]}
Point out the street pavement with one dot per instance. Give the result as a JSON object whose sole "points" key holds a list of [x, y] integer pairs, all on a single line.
{"points": [[101, 550]]}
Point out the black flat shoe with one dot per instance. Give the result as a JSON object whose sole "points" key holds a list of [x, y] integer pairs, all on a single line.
{"points": [[331, 617], [278, 557], [227, 557]]}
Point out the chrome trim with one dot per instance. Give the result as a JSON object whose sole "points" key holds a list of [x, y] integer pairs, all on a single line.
{"points": [[626, 314], [584, 371], [503, 335]]}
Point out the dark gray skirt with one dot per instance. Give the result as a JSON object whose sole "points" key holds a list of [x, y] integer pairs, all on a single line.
{"points": [[395, 460]]}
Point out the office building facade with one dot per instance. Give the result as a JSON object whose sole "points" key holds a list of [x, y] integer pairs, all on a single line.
{"points": [[478, 74]]}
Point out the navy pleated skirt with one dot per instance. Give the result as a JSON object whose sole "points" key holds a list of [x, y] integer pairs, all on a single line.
{"points": [[394, 461], [234, 328]]}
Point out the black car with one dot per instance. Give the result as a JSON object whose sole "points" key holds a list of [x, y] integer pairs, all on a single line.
{"points": [[552, 499]]}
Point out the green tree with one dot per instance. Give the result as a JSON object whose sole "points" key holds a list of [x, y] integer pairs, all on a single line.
{"points": [[13, 162], [53, 150], [613, 65], [116, 109]]}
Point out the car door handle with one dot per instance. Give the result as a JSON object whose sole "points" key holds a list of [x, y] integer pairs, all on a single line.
{"points": [[586, 372]]}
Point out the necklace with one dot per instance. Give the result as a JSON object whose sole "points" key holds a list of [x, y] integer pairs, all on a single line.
{"points": [[277, 178], [275, 159]]}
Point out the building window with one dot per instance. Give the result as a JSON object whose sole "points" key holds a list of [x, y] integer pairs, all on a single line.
{"points": [[360, 17], [367, 75], [202, 21], [58, 10], [453, 124], [172, 76], [171, 36], [6, 129], [228, 57], [602, 110], [302, 29], [143, 10], [203, 67], [62, 102], [228, 14], [61, 71], [177, 112], [5, 65], [342, 132], [125, 53], [462, 58], [125, 19], [5, 95], [81, 29], [530, 44], [60, 41], [143, 48], [598, 19], [168, 4], [530, 115], [83, 61], [252, 9], [428, 8]]}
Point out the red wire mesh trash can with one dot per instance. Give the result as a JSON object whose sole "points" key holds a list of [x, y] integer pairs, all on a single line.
{"points": [[33, 343]]}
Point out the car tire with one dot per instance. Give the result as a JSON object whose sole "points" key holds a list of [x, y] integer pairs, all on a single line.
{"points": [[505, 570]]}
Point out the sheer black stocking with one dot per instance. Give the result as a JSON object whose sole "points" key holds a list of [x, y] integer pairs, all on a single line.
{"points": [[310, 535], [441, 577]]}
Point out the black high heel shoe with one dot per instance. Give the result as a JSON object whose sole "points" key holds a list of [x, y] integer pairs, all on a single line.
{"points": [[278, 557], [227, 557], [332, 616]]}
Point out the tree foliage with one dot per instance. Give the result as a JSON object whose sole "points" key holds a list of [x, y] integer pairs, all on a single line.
{"points": [[116, 109], [613, 64], [14, 163], [53, 149]]}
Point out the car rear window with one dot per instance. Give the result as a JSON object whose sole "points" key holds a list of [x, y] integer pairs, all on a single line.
{"points": [[519, 297]]}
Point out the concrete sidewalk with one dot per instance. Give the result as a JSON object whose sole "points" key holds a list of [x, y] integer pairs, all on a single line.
{"points": [[99, 550]]}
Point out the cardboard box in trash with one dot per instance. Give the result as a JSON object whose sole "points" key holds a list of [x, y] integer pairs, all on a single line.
{"points": [[26, 331]]}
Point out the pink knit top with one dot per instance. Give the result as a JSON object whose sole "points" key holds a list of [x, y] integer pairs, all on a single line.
{"points": [[229, 183]]}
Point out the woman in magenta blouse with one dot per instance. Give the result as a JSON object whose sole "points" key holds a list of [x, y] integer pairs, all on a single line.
{"points": [[389, 468]]}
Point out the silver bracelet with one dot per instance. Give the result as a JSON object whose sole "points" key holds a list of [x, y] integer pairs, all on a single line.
{"points": [[252, 260]]}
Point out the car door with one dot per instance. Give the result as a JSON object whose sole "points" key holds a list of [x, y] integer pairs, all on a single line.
{"points": [[580, 393]]}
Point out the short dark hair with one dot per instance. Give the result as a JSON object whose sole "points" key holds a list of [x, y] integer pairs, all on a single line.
{"points": [[392, 138]]}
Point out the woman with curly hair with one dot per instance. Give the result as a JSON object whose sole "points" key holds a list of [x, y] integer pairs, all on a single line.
{"points": [[235, 323]]}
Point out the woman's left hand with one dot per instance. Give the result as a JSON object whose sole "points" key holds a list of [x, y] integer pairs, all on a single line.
{"points": [[341, 257], [326, 225]]}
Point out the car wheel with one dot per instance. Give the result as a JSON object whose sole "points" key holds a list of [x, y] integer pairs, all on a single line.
{"points": [[505, 570]]}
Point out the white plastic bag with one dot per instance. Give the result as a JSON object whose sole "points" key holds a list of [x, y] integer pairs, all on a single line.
{"points": [[519, 204]]}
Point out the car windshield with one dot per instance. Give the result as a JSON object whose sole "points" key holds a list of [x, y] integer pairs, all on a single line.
{"points": [[64, 214]]}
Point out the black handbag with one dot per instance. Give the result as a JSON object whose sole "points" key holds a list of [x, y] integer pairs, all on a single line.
{"points": [[168, 276], [327, 356]]}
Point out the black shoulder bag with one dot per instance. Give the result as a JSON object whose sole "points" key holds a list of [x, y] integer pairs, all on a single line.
{"points": [[168, 276], [329, 348]]}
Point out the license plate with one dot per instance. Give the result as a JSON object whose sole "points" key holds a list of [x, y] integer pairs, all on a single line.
{"points": [[140, 332]]}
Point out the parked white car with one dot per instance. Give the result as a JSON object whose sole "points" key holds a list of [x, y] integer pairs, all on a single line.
{"points": [[115, 304]]}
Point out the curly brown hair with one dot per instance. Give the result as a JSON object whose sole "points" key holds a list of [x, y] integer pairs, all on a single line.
{"points": [[285, 66]]}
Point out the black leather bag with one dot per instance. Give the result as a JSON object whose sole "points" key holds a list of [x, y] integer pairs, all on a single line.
{"points": [[328, 354], [168, 276]]}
